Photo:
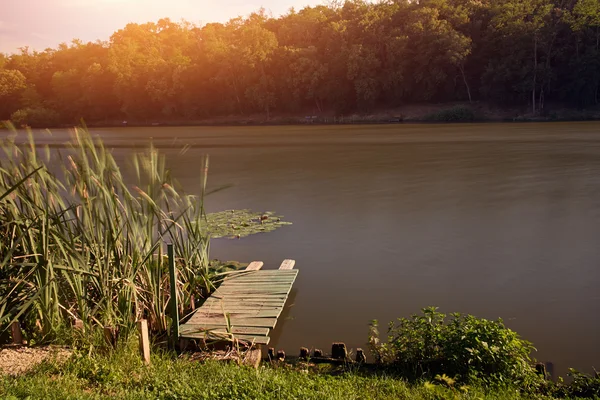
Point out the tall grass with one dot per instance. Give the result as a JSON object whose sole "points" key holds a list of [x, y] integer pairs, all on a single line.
{"points": [[77, 242]]}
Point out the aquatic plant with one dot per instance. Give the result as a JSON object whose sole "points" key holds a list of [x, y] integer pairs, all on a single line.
{"points": [[78, 242]]}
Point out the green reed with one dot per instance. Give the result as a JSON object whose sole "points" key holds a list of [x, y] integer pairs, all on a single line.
{"points": [[76, 241]]}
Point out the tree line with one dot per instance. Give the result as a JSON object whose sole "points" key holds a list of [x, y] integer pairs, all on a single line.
{"points": [[354, 56]]}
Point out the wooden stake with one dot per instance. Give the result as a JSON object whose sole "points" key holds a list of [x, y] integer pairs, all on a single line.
{"points": [[173, 306], [304, 353], [144, 340], [281, 355], [15, 328], [338, 351], [360, 356], [110, 335], [78, 324]]}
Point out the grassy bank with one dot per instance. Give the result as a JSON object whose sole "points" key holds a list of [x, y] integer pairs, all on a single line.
{"points": [[122, 375]]}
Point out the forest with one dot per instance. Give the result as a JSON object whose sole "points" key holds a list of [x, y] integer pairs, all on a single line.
{"points": [[343, 57]]}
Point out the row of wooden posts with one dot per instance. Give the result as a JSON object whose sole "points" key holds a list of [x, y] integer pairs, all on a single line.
{"points": [[339, 353]]}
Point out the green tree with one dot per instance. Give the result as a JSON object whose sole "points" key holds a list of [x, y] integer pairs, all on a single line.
{"points": [[12, 84]]}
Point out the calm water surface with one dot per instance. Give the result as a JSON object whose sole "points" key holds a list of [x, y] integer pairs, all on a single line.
{"points": [[492, 220]]}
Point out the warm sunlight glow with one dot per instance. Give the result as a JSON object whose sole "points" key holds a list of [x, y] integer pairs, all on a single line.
{"points": [[41, 23]]}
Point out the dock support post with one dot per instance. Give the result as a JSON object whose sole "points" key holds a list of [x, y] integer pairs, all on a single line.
{"points": [[173, 306], [338, 351], [17, 336], [144, 340]]}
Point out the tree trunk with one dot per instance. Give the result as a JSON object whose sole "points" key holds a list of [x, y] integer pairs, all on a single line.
{"points": [[535, 42], [462, 71]]}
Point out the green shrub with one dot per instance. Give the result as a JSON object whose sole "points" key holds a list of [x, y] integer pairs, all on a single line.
{"points": [[465, 348], [582, 386], [454, 114], [37, 117]]}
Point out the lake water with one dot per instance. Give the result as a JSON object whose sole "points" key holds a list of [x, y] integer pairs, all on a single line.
{"points": [[495, 220]]}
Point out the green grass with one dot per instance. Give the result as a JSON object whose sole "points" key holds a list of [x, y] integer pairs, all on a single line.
{"points": [[121, 375]]}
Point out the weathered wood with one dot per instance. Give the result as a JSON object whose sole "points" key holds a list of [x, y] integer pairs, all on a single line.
{"points": [[239, 307], [248, 304], [17, 335], [144, 340], [173, 304], [264, 272], [232, 294], [267, 291], [281, 355], [304, 353], [261, 278], [338, 351], [541, 370], [244, 307], [287, 264], [252, 358], [78, 324], [255, 285], [253, 278], [360, 356], [236, 321], [238, 330], [110, 335], [241, 313], [271, 353], [254, 266], [223, 336]]}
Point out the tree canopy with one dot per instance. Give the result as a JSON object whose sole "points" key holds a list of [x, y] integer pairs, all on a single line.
{"points": [[354, 56]]}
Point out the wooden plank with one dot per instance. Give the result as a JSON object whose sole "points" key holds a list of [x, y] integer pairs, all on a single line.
{"points": [[238, 313], [250, 296], [240, 306], [240, 281], [265, 272], [254, 266], [287, 264], [257, 283], [144, 340], [240, 330], [251, 290], [235, 321], [230, 302], [239, 310], [244, 338]]}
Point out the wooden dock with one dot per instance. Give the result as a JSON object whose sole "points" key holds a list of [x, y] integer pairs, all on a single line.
{"points": [[244, 307]]}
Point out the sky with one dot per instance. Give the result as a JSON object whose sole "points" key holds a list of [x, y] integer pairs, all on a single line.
{"points": [[40, 24]]}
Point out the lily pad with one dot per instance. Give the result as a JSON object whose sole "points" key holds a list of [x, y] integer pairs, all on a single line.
{"points": [[241, 223]]}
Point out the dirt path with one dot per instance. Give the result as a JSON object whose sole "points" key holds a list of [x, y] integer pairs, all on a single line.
{"points": [[17, 360]]}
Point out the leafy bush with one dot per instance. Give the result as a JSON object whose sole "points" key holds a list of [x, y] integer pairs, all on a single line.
{"points": [[37, 117], [454, 114], [466, 348], [582, 386]]}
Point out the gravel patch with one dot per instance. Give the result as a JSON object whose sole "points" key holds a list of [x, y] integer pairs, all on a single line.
{"points": [[15, 360]]}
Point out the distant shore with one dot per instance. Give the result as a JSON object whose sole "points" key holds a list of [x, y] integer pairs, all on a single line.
{"points": [[411, 114], [424, 113]]}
